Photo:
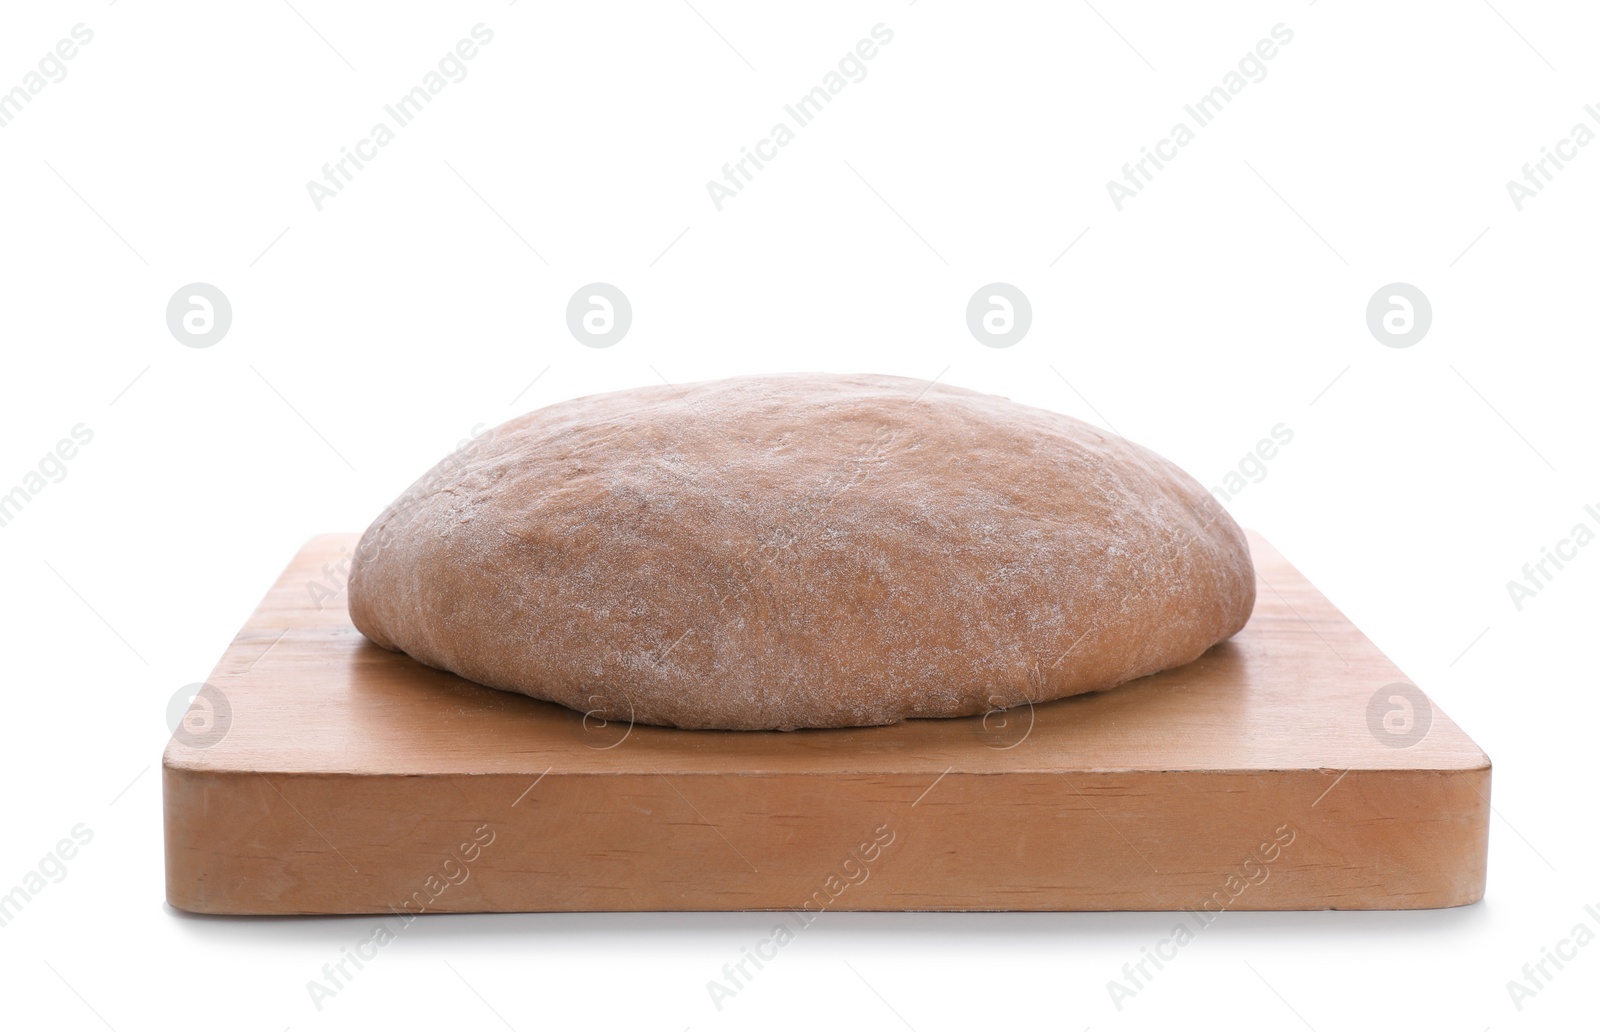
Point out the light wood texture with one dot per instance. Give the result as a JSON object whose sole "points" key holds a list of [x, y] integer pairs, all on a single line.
{"points": [[354, 780]]}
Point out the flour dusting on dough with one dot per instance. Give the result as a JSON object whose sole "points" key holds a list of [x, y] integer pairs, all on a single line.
{"points": [[808, 550]]}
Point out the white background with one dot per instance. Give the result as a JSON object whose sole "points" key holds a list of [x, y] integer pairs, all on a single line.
{"points": [[371, 336]]}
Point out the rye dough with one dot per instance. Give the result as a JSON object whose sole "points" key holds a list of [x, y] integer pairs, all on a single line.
{"points": [[806, 550]]}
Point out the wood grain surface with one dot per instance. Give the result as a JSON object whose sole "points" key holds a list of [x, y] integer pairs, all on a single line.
{"points": [[1282, 770]]}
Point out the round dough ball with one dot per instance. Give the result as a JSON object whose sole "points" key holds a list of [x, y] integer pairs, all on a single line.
{"points": [[807, 550]]}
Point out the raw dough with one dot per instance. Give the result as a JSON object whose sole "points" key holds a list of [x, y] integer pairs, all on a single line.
{"points": [[806, 550]]}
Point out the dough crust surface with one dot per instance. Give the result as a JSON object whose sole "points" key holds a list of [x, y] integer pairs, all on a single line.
{"points": [[805, 550]]}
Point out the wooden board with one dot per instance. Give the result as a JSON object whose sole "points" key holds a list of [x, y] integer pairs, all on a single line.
{"points": [[346, 779]]}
